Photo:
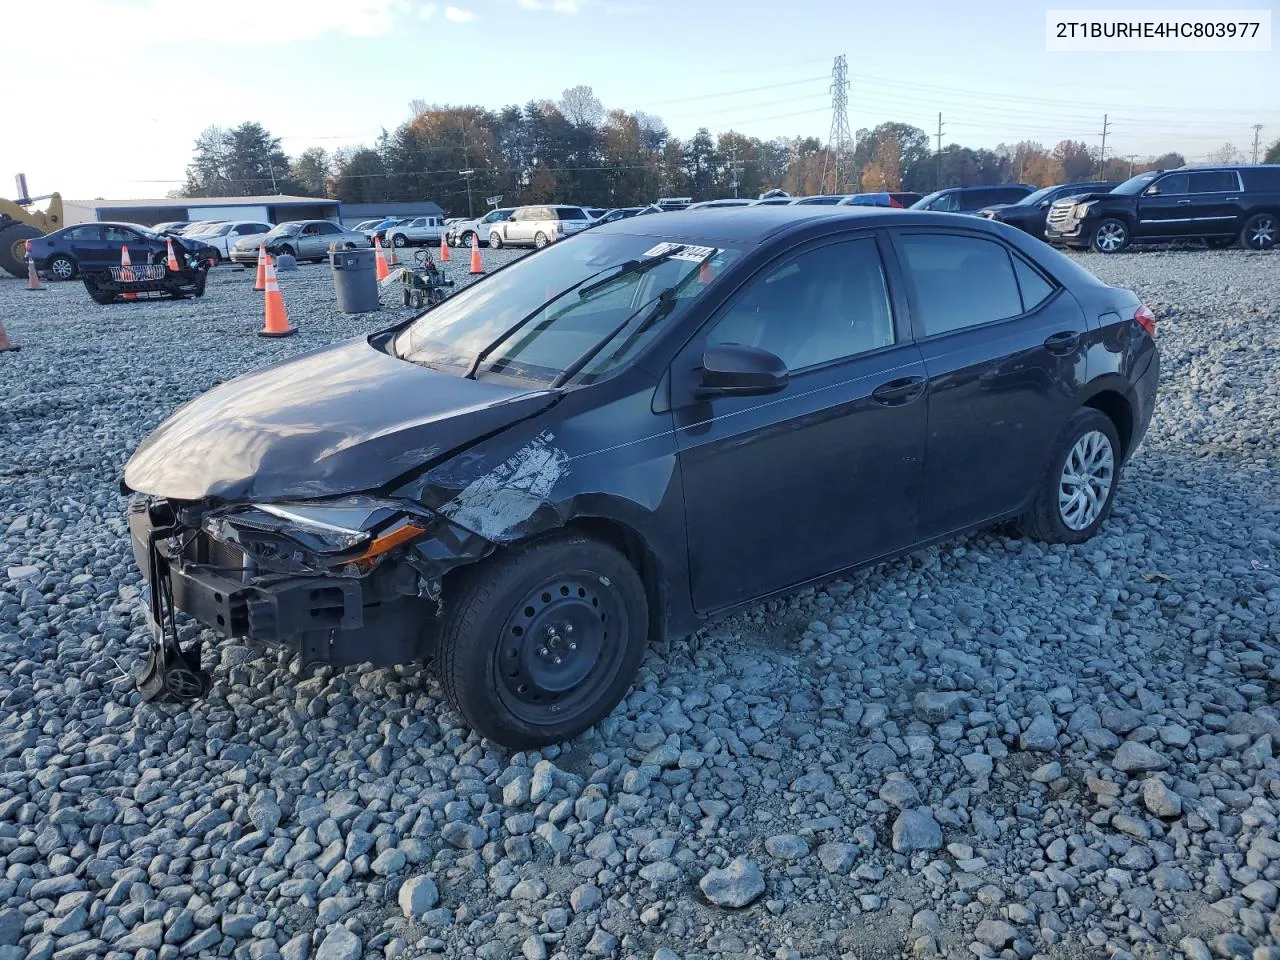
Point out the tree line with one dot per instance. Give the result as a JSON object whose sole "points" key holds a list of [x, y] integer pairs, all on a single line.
{"points": [[573, 150]]}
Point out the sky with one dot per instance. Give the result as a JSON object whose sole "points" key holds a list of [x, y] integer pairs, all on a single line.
{"points": [[114, 92]]}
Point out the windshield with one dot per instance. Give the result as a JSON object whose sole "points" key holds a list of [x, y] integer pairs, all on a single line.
{"points": [[1136, 184], [285, 230], [1031, 199], [560, 324]]}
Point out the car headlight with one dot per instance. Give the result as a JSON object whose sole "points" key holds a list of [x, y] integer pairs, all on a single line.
{"points": [[1082, 209], [326, 533]]}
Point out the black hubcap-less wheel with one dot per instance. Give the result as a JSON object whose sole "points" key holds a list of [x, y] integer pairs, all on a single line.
{"points": [[560, 647]]}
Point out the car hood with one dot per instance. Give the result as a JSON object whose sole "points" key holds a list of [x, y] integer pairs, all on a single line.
{"points": [[339, 420], [1082, 197]]}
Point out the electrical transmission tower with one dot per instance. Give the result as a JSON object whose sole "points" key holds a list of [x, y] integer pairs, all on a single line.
{"points": [[837, 156]]}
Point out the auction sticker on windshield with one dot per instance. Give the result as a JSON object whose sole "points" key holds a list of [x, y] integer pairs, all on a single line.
{"points": [[696, 254]]}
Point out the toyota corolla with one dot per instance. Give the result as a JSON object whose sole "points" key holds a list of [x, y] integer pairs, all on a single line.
{"points": [[629, 432]]}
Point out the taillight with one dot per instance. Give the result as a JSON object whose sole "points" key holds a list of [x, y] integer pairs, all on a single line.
{"points": [[1147, 320]]}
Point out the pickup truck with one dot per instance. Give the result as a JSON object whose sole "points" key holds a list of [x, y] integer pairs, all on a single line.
{"points": [[1220, 205]]}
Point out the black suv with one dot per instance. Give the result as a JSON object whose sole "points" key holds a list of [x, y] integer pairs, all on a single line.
{"points": [[1030, 212], [972, 199], [1216, 204]]}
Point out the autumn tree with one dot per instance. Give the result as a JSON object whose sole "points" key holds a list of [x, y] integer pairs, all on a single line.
{"points": [[580, 106], [310, 170], [1273, 153], [1076, 160]]}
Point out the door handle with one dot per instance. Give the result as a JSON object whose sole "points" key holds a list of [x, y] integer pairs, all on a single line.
{"points": [[896, 393], [1231, 198], [1063, 342], [1183, 201]]}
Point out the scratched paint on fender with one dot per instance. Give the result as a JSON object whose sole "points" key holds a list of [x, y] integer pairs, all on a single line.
{"points": [[509, 494]]}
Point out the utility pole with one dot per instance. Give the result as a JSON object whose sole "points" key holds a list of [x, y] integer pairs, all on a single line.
{"points": [[1131, 157], [838, 141], [1257, 129], [467, 175], [1102, 154], [734, 169], [937, 158]]}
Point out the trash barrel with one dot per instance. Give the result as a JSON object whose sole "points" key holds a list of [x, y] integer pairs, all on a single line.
{"points": [[355, 279]]}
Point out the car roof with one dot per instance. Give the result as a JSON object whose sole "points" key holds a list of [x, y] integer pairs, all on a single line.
{"points": [[753, 225]]}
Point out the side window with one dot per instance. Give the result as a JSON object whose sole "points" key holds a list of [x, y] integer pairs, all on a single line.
{"points": [[84, 233], [1173, 184], [821, 305], [1034, 287], [945, 203], [1214, 181], [120, 235], [959, 281]]}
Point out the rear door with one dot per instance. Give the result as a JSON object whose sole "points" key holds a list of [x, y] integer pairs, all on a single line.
{"points": [[824, 473], [1216, 201], [86, 244], [1003, 346]]}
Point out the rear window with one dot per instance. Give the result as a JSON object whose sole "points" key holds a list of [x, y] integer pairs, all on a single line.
{"points": [[1261, 178], [1214, 181], [570, 213], [960, 281]]}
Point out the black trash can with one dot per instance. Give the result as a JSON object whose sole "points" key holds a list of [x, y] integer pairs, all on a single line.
{"points": [[355, 278]]}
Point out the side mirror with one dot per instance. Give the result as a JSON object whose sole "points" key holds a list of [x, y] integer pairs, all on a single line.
{"points": [[1151, 191], [736, 369], [1045, 204]]}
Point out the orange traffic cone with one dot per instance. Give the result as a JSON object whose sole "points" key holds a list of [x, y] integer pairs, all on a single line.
{"points": [[394, 259], [260, 283], [33, 278], [381, 260], [5, 345], [476, 265], [171, 262], [126, 273], [444, 249], [276, 321]]}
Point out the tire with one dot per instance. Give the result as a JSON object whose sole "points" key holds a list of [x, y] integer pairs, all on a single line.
{"points": [[468, 238], [542, 641], [1110, 236], [62, 267], [539, 240], [1219, 243], [1261, 231], [399, 240], [405, 298], [13, 254], [495, 241], [1049, 518], [287, 251]]}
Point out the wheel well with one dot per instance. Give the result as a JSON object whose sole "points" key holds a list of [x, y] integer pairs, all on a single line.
{"points": [[640, 556], [1117, 409]]}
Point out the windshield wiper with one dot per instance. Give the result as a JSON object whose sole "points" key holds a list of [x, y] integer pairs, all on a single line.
{"points": [[628, 267], [665, 302]]}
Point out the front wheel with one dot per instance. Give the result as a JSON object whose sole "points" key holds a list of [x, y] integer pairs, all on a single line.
{"points": [[1260, 232], [1075, 492], [288, 251], [468, 239], [1110, 236], [542, 641], [399, 240]]}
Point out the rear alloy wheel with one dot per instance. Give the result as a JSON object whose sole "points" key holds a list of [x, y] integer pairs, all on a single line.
{"points": [[539, 240], [1260, 232], [1075, 492], [495, 241], [541, 642], [64, 268], [1110, 236]]}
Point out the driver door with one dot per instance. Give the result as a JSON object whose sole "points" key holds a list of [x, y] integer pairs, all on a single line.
{"points": [[825, 472], [1164, 209]]}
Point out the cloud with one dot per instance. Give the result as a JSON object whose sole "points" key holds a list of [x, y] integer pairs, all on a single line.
{"points": [[427, 11], [458, 15], [556, 6]]}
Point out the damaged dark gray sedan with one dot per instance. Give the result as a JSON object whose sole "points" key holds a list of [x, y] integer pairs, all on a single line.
{"points": [[630, 431]]}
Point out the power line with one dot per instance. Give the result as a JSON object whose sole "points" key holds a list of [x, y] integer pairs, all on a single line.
{"points": [[728, 93]]}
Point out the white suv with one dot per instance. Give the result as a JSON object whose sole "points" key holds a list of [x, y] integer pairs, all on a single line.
{"points": [[537, 226], [466, 232]]}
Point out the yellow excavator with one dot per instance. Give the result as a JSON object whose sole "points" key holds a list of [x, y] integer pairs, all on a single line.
{"points": [[20, 221]]}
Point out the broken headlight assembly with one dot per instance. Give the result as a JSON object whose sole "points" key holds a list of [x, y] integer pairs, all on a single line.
{"points": [[289, 537]]}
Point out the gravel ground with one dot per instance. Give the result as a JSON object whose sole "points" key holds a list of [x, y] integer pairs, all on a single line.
{"points": [[991, 748]]}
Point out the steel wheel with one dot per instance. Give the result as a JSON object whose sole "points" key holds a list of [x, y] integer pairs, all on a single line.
{"points": [[1260, 233], [1110, 237], [1087, 477], [560, 646], [62, 268]]}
